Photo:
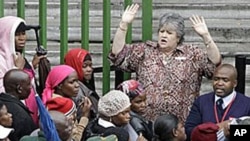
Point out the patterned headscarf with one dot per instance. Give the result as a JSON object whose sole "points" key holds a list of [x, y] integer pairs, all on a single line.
{"points": [[75, 58], [55, 77], [131, 87]]}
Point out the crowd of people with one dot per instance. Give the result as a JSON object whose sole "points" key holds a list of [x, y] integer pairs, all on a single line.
{"points": [[162, 103]]}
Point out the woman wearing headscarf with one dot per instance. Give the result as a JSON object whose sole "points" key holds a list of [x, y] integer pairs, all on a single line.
{"points": [[137, 96], [61, 85], [12, 43], [81, 61]]}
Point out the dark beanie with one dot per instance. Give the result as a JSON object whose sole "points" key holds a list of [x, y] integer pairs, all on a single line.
{"points": [[21, 28]]}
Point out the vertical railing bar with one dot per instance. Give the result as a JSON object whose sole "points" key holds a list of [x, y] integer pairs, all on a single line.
{"points": [[1, 8], [21, 8], [147, 20], [106, 45], [63, 29], [21, 13], [43, 22], [85, 24], [240, 65]]}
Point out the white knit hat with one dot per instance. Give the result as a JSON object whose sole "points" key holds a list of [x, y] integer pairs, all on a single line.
{"points": [[113, 103]]}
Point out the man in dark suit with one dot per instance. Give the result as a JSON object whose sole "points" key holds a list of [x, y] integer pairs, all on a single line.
{"points": [[221, 104]]}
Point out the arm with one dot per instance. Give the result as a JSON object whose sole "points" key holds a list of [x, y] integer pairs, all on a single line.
{"points": [[79, 127], [120, 35], [193, 119], [201, 29]]}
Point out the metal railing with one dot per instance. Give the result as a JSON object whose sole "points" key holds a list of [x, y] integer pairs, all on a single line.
{"points": [[240, 63], [146, 29]]}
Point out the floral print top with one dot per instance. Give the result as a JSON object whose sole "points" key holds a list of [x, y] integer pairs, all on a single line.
{"points": [[171, 83]]}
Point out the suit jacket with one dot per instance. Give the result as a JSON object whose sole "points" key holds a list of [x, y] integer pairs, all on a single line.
{"points": [[203, 110]]}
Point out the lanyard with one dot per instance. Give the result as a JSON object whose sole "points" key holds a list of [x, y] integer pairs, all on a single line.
{"points": [[225, 113]]}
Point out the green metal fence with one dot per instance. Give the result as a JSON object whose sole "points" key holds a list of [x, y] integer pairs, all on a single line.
{"points": [[146, 28]]}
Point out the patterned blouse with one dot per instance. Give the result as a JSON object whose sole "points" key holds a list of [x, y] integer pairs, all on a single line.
{"points": [[171, 83]]}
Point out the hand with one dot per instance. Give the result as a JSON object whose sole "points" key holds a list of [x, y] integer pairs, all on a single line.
{"points": [[19, 61], [86, 106], [36, 60], [227, 132], [224, 124], [141, 138], [129, 13], [199, 25]]}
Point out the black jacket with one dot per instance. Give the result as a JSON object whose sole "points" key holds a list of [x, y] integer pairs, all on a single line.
{"points": [[141, 125], [22, 120], [92, 95]]}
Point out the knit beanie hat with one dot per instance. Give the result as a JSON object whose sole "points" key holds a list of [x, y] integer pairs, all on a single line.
{"points": [[131, 87], [113, 103], [205, 132], [61, 104]]}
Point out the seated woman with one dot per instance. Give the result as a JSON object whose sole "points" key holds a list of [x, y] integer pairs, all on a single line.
{"points": [[114, 111], [62, 82], [5, 116], [81, 61], [5, 121], [169, 128], [137, 97]]}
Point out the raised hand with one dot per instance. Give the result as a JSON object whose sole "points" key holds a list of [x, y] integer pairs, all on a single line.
{"points": [[129, 13], [199, 25], [19, 61], [86, 106]]}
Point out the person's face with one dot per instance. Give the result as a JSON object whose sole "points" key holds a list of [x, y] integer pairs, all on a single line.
{"points": [[70, 85], [20, 40], [168, 38], [87, 69], [180, 133], [138, 104], [122, 118], [25, 88], [64, 129], [72, 117], [5, 117], [224, 81]]}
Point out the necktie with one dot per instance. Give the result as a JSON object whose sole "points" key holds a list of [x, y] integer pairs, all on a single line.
{"points": [[220, 110]]}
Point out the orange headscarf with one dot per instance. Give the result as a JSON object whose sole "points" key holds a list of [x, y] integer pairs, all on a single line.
{"points": [[75, 58]]}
